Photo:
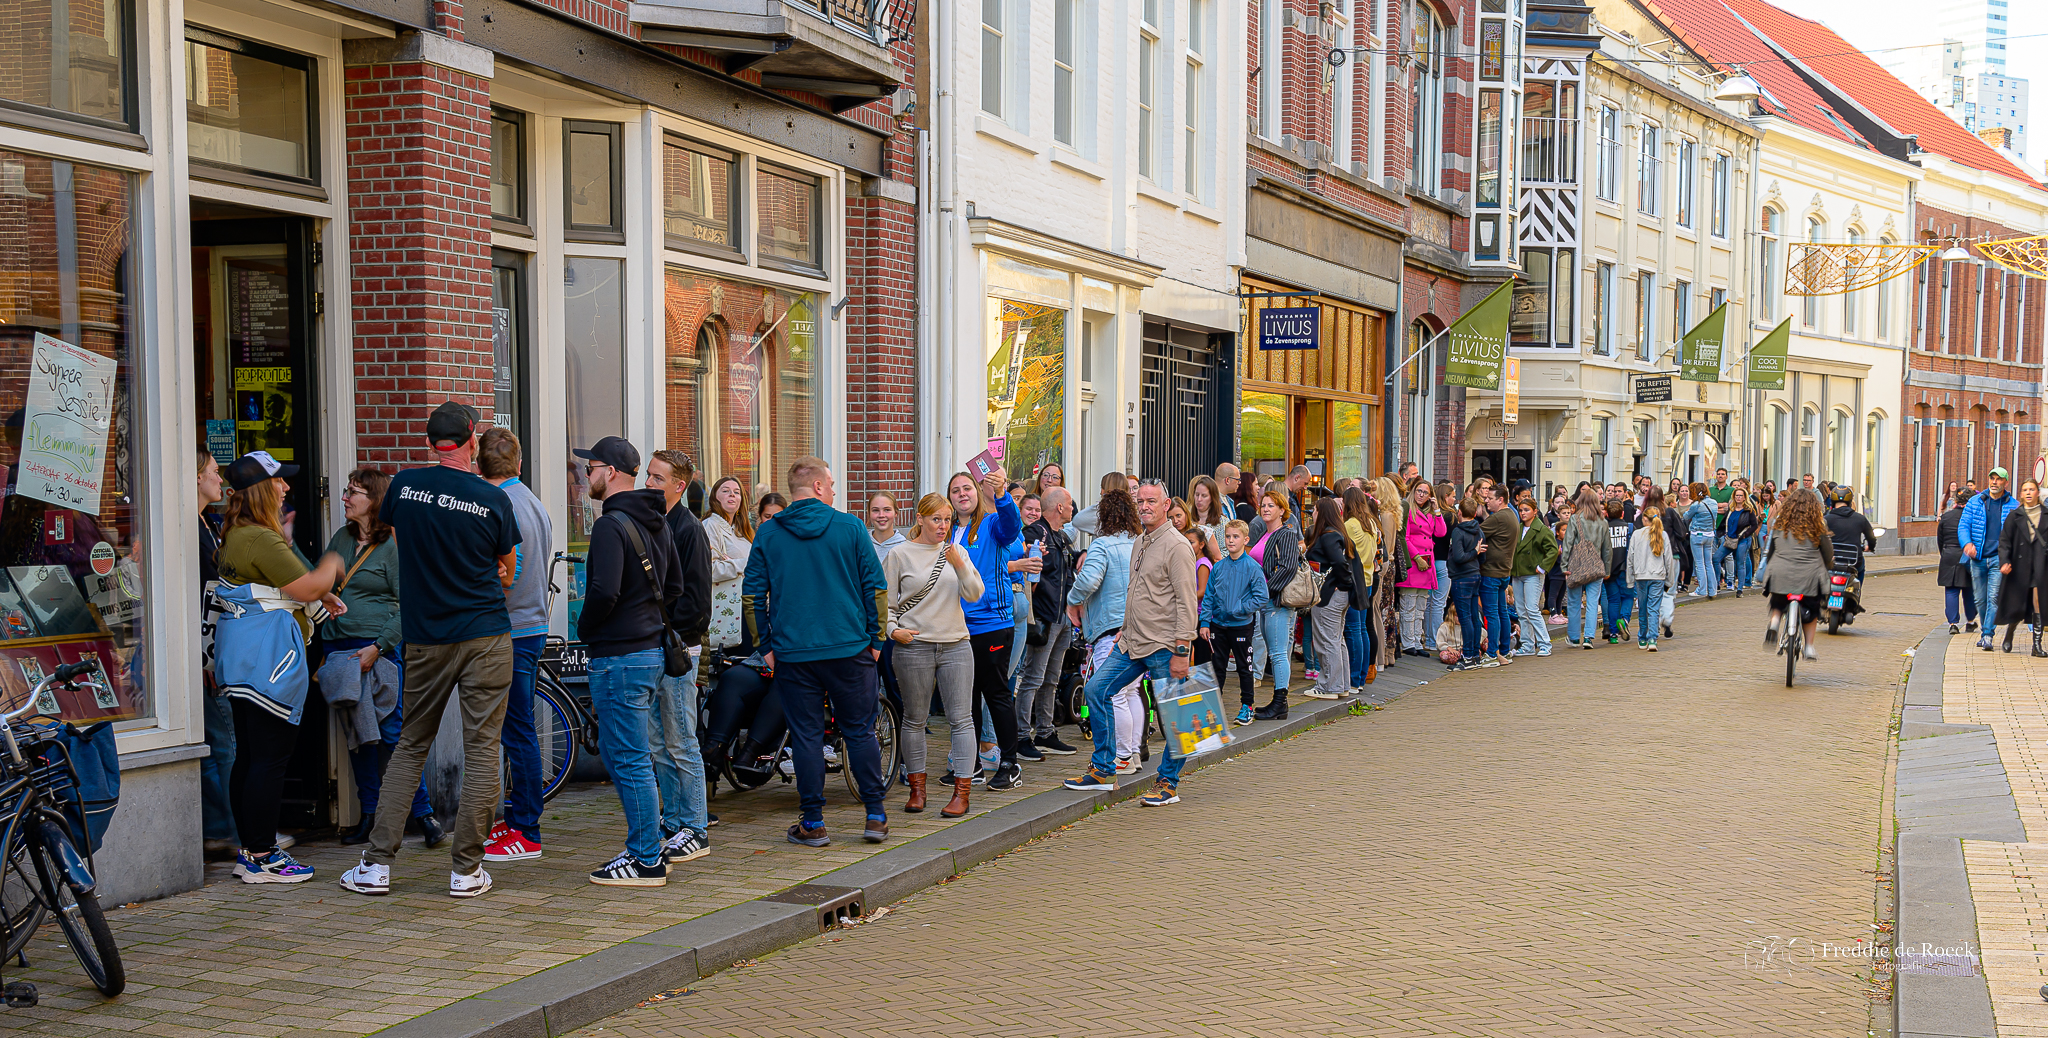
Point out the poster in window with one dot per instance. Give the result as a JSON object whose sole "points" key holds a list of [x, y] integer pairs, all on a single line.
{"points": [[1027, 379], [259, 346], [65, 425]]}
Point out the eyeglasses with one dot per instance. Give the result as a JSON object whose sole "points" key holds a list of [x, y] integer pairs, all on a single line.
{"points": [[591, 469], [355, 491], [1151, 482]]}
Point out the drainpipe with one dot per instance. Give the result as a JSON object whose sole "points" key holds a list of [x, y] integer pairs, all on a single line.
{"points": [[947, 225]]}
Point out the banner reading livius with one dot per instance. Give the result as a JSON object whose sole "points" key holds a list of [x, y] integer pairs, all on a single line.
{"points": [[1479, 342], [1767, 358], [1699, 351]]}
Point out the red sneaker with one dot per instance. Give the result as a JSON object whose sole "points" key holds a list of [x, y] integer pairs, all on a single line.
{"points": [[510, 845]]}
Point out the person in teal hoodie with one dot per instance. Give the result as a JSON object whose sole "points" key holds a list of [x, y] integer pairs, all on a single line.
{"points": [[814, 597], [986, 522]]}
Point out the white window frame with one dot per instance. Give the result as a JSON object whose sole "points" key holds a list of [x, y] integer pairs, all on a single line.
{"points": [[1688, 183], [1607, 172], [1646, 314], [1148, 94], [1649, 169], [995, 41], [1272, 68], [1066, 67], [1809, 308], [1724, 177], [1603, 308]]}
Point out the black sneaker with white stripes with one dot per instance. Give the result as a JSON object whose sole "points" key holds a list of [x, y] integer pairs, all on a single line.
{"points": [[626, 871]]}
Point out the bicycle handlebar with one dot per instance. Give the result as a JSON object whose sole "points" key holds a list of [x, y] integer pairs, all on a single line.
{"points": [[63, 675]]}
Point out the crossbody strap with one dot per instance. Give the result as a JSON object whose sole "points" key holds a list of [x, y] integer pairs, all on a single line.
{"points": [[640, 546], [931, 581], [362, 556]]}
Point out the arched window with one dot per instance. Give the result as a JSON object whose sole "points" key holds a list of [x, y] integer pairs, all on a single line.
{"points": [[1815, 230], [1770, 278], [1851, 301], [1777, 444], [1840, 445]]}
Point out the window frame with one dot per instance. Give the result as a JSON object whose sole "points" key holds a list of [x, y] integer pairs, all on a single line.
{"points": [[521, 221], [615, 233], [1147, 98], [1809, 307], [1769, 237], [1688, 183], [304, 63], [1603, 308], [1070, 66], [1681, 309], [734, 206], [995, 38], [1649, 170], [764, 167], [1723, 188], [1607, 166], [1646, 314], [125, 132]]}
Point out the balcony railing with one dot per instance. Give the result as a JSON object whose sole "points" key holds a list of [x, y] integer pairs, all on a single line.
{"points": [[1550, 150], [886, 21]]}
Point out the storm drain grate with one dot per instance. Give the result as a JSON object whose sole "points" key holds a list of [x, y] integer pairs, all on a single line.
{"points": [[836, 906]]}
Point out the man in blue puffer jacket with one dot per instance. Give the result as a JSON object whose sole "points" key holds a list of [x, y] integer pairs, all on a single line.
{"points": [[986, 522], [1983, 520]]}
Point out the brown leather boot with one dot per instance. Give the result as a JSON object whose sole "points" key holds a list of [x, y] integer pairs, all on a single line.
{"points": [[1372, 673], [958, 805], [916, 801]]}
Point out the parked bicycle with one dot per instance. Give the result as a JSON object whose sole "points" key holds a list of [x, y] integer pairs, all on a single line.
{"points": [[564, 723], [43, 871], [744, 770]]}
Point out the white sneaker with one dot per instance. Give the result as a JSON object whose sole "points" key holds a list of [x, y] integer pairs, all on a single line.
{"points": [[1811, 652], [787, 767], [1126, 765], [285, 843], [374, 880], [831, 755], [460, 885], [684, 846]]}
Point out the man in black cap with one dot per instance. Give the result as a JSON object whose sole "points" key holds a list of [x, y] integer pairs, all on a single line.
{"points": [[457, 536], [633, 590]]}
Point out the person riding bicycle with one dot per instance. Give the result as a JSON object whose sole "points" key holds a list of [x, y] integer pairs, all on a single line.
{"points": [[1805, 557], [1850, 530]]}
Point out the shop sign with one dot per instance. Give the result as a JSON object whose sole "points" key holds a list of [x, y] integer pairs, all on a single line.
{"points": [[1653, 389], [1699, 350], [1291, 328], [1479, 342], [1511, 387], [1766, 367], [65, 426]]}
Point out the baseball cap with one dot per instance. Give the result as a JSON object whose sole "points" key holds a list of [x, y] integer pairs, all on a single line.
{"points": [[451, 421], [2000, 473], [613, 451], [255, 467]]}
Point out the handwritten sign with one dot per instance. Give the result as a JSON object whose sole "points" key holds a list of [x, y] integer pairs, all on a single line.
{"points": [[67, 421]]}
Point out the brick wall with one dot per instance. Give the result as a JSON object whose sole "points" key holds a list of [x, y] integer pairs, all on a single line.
{"points": [[419, 157], [880, 320]]}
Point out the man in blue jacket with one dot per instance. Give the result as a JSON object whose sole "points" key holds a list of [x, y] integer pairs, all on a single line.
{"points": [[1983, 519], [814, 598]]}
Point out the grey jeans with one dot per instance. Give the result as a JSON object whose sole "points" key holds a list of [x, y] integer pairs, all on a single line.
{"points": [[1331, 649], [1039, 688], [950, 666]]}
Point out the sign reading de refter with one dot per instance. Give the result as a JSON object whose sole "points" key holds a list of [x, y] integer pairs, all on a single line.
{"points": [[1293, 328]]}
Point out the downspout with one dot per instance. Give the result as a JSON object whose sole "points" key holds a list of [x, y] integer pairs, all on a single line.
{"points": [[947, 220]]}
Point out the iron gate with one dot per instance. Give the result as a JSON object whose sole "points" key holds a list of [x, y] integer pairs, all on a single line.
{"points": [[1183, 404]]}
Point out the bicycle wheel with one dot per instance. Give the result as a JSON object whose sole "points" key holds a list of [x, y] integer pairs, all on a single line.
{"points": [[1792, 649], [554, 728], [78, 914], [21, 901], [887, 725]]}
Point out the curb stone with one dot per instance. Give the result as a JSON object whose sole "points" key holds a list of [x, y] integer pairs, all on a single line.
{"points": [[575, 994]]}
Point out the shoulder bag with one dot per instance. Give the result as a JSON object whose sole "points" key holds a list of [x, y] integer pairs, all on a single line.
{"points": [[1305, 588], [1588, 563], [675, 655]]}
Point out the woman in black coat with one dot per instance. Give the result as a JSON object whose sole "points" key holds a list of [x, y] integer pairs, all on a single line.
{"points": [[1954, 575], [2023, 559]]}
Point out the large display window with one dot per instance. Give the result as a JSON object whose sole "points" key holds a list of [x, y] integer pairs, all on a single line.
{"points": [[1027, 393], [743, 393], [594, 385], [71, 584]]}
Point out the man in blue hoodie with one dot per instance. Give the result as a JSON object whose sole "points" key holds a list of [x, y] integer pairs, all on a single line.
{"points": [[813, 597], [1983, 520]]}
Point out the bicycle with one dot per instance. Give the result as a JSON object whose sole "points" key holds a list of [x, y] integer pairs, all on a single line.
{"points": [[746, 775], [564, 724], [41, 870], [1795, 628]]}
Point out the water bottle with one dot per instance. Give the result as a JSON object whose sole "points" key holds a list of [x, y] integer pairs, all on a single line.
{"points": [[1037, 552]]}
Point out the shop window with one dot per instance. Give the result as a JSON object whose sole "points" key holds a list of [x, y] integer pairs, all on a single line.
{"points": [[1838, 446], [508, 166], [700, 197], [1262, 429], [1603, 432], [69, 58], [592, 189], [594, 375], [743, 395], [1543, 298], [1027, 396], [249, 107], [1347, 433], [71, 584], [789, 217]]}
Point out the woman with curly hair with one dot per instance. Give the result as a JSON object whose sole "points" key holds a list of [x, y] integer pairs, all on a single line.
{"points": [[1800, 559]]}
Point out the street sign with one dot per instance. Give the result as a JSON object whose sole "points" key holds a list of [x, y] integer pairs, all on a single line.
{"points": [[1511, 385], [1653, 389], [1290, 328]]}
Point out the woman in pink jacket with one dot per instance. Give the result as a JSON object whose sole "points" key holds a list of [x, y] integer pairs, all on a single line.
{"points": [[1425, 525]]}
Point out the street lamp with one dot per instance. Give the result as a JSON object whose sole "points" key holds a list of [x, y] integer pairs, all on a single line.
{"points": [[1738, 88], [1955, 254]]}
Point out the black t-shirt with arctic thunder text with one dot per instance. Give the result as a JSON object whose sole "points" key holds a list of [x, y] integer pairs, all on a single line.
{"points": [[451, 528]]}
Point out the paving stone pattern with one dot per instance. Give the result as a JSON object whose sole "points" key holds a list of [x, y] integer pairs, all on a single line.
{"points": [[1599, 843]]}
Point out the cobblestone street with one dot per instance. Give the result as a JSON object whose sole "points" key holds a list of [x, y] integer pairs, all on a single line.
{"points": [[1600, 843]]}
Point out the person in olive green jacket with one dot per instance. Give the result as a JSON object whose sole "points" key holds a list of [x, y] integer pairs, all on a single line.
{"points": [[1535, 555]]}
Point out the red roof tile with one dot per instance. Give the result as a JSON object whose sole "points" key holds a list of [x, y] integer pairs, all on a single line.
{"points": [[1851, 71], [1712, 30]]}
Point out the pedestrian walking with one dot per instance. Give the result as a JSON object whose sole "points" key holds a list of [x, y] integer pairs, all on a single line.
{"points": [[1502, 528], [1039, 684], [672, 725], [1230, 609], [987, 522], [516, 836], [1426, 529], [259, 660], [1159, 627], [1276, 546], [815, 601], [1333, 555], [1096, 602], [928, 577], [1583, 556], [1619, 601], [1954, 574], [1982, 523], [1802, 557], [729, 530], [1653, 568], [2022, 565], [1535, 555], [458, 539]]}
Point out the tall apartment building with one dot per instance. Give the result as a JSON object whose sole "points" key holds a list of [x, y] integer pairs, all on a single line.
{"points": [[1967, 76]]}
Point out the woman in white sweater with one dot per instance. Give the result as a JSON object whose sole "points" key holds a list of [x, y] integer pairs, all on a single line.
{"points": [[1653, 570], [928, 577], [730, 535]]}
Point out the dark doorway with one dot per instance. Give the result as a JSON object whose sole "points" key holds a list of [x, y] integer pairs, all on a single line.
{"points": [[1182, 408]]}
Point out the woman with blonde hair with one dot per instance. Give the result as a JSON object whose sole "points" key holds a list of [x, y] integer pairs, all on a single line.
{"points": [[729, 533], [928, 577], [986, 522], [1652, 567]]}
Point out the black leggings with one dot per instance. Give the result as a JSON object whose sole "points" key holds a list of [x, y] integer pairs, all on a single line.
{"points": [[992, 687], [263, 747], [742, 698], [1236, 643]]}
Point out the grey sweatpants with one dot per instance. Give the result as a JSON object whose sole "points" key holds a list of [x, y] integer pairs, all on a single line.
{"points": [[1332, 652]]}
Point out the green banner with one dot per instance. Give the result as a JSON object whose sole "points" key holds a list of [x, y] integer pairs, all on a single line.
{"points": [[1699, 351], [1766, 368], [1479, 342]]}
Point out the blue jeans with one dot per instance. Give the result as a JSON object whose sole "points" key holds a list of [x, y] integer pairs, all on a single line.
{"points": [[1580, 608], [1493, 602], [1703, 562], [850, 685], [622, 689], [1465, 596], [1529, 606], [217, 812], [1276, 627], [522, 746], [678, 758], [1739, 572], [1358, 640], [1434, 618], [1619, 600], [1649, 606], [1984, 582], [1116, 672]]}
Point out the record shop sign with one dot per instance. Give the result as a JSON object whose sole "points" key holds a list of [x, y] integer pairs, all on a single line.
{"points": [[1653, 389], [1291, 328]]}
